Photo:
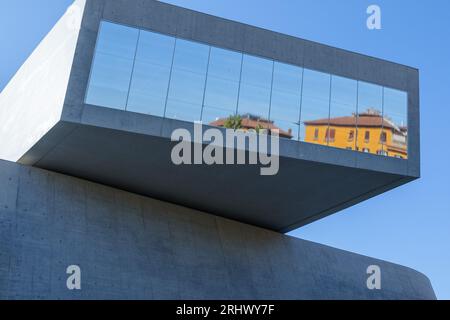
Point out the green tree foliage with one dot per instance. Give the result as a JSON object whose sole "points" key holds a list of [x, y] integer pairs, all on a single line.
{"points": [[233, 122]]}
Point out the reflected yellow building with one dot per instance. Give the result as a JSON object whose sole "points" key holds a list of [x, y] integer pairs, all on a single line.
{"points": [[365, 132]]}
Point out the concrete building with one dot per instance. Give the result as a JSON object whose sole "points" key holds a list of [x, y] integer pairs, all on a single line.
{"points": [[88, 178]]}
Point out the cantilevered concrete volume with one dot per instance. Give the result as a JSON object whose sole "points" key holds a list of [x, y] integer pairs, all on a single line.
{"points": [[48, 122], [96, 104]]}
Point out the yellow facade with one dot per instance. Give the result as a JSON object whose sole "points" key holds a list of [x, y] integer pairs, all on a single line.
{"points": [[343, 138]]}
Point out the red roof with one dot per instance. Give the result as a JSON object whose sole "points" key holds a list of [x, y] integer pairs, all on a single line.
{"points": [[249, 123], [352, 121]]}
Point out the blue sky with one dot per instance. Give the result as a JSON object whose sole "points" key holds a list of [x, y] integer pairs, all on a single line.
{"points": [[409, 225]]}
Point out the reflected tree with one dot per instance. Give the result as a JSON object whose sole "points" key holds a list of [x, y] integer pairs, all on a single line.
{"points": [[233, 122]]}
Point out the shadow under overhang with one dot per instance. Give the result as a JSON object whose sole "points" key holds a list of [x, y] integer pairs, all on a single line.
{"points": [[103, 149]]}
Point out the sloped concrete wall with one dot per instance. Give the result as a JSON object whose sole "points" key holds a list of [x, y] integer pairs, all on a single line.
{"points": [[32, 102], [133, 247]]}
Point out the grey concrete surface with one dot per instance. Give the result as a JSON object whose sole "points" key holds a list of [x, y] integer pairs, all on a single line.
{"points": [[187, 24], [133, 247], [308, 186], [51, 127], [32, 102]]}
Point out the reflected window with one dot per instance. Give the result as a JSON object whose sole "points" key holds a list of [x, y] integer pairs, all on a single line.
{"points": [[256, 82], [396, 123], [222, 86], [112, 66], [330, 135], [286, 98], [383, 137], [315, 107], [188, 79], [351, 136]]}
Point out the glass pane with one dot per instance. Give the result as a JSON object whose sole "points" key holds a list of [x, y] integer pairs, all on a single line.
{"points": [[112, 67], [343, 113], [315, 108], [223, 83], [186, 95], [254, 97], [155, 48], [287, 129], [370, 118], [215, 116], [214, 84], [191, 56], [286, 99], [221, 93], [396, 123], [225, 64], [187, 85], [151, 74], [117, 40]]}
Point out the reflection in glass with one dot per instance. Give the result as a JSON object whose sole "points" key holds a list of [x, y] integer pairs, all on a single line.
{"points": [[370, 120], [112, 67], [396, 119], [216, 116], [222, 87], [252, 122], [286, 99], [370, 97], [117, 40], [151, 74], [315, 108], [146, 72], [254, 96], [343, 108], [187, 84]]}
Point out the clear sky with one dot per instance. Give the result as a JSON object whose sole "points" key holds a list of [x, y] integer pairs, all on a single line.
{"points": [[410, 225]]}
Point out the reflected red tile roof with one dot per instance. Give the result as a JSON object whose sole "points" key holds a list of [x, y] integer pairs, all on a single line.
{"points": [[352, 121], [252, 123]]}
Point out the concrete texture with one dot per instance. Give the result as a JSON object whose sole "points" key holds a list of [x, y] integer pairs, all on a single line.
{"points": [[130, 151], [191, 25], [310, 182], [133, 247], [31, 104]]}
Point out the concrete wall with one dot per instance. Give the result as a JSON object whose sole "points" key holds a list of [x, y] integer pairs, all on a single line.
{"points": [[32, 102], [37, 130], [128, 145], [130, 246]]}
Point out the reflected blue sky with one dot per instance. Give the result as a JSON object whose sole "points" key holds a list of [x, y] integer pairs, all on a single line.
{"points": [[315, 99], [286, 98], [112, 66], [151, 74], [180, 79], [187, 84], [256, 84], [409, 225]]}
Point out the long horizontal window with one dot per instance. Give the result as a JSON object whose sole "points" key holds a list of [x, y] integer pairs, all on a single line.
{"points": [[150, 73]]}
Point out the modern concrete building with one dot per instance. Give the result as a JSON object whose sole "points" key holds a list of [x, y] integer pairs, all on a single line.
{"points": [[88, 121]]}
